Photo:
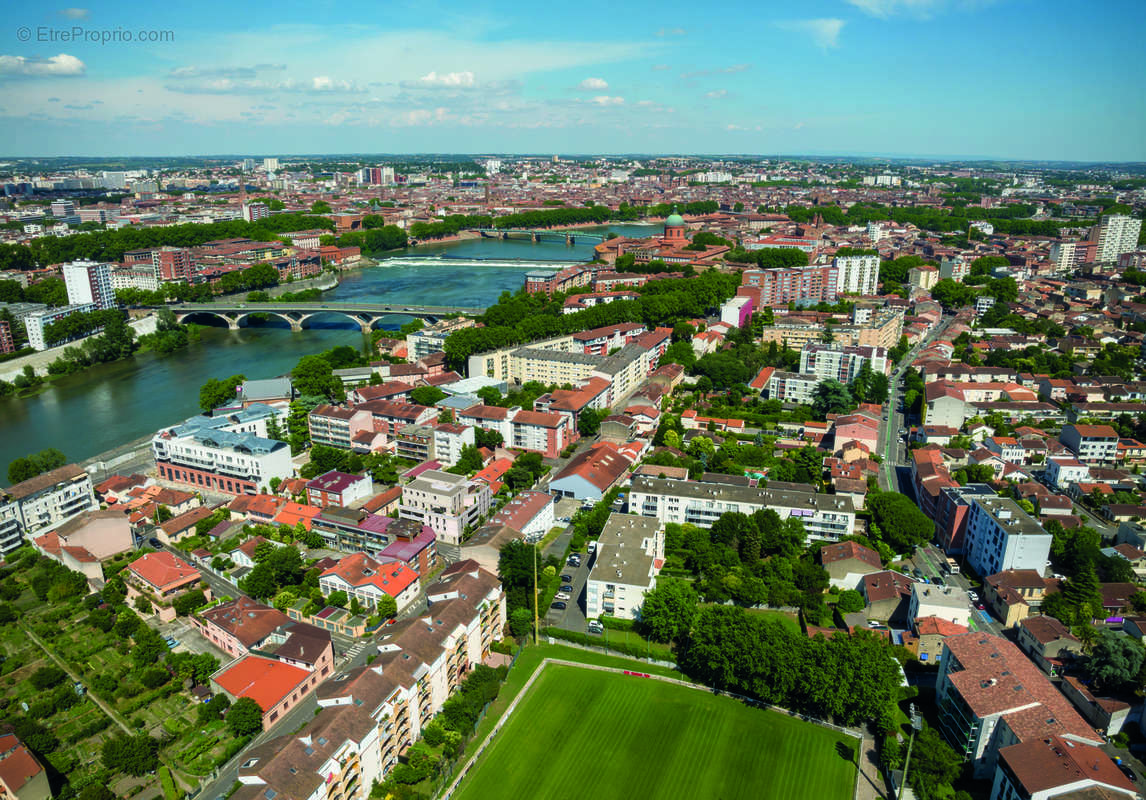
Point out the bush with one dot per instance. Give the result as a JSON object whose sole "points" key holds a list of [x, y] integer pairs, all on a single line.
{"points": [[154, 677], [47, 677]]}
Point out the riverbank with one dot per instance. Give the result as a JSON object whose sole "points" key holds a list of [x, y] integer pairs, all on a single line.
{"points": [[40, 361]]}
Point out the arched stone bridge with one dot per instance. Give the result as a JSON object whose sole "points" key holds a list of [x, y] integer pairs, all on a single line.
{"points": [[367, 315]]}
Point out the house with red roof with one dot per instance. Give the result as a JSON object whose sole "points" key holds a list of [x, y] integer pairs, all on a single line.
{"points": [[161, 577], [277, 687], [847, 562], [362, 577], [294, 513], [926, 642], [591, 474], [544, 432], [22, 777]]}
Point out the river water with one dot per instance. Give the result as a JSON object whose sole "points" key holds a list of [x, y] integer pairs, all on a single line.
{"points": [[112, 404]]}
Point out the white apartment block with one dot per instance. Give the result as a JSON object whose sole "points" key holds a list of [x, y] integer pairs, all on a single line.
{"points": [[224, 453], [496, 363], [42, 503], [37, 321], [840, 363], [448, 503], [449, 439], [629, 555], [948, 603], [1092, 444], [856, 274], [825, 517], [89, 282], [1116, 234], [1001, 536], [791, 388]]}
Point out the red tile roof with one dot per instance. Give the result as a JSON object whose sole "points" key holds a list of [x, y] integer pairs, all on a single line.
{"points": [[846, 550], [17, 764], [163, 570], [264, 680], [359, 569], [1041, 765]]}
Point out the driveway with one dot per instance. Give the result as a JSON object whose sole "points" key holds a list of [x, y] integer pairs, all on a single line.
{"points": [[573, 617]]}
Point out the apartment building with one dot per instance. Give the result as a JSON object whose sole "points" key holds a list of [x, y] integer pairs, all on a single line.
{"points": [[857, 274], [629, 555], [1058, 766], [42, 503], [370, 715], [366, 579], [800, 285], [1116, 234], [37, 322], [1091, 444], [1001, 536], [791, 388], [223, 454], [336, 427], [415, 442], [389, 417], [336, 488], [825, 517], [530, 513], [990, 696], [543, 432], [432, 338], [449, 441], [599, 341], [839, 362], [551, 366], [489, 418], [447, 503], [89, 283], [496, 363]]}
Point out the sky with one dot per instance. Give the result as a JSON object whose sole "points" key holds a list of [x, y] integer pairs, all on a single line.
{"points": [[1019, 79]]}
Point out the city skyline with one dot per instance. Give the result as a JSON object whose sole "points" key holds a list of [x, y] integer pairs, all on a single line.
{"points": [[595, 79]]}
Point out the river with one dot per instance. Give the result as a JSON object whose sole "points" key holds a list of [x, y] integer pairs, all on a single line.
{"points": [[112, 404]]}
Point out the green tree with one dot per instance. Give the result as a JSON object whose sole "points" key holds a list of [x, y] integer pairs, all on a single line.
{"points": [[313, 376], [830, 397], [387, 607], [134, 755], [669, 610], [1115, 662], [589, 421], [427, 395], [245, 717], [215, 392], [520, 623], [850, 601], [902, 524]]}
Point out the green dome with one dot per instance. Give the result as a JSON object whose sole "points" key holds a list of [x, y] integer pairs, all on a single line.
{"points": [[674, 220]]}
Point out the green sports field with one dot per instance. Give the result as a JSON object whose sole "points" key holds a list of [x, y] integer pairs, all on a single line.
{"points": [[585, 733]]}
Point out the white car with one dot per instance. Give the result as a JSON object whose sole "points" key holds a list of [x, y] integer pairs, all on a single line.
{"points": [[561, 596]]}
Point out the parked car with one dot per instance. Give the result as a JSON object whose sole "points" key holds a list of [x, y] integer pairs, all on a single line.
{"points": [[973, 595], [154, 542], [566, 578], [566, 587], [1129, 773], [562, 596], [595, 627], [558, 605]]}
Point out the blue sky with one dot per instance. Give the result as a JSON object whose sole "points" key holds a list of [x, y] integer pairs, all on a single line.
{"points": [[1038, 79]]}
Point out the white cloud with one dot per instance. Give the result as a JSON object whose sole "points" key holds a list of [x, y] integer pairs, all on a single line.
{"points": [[75, 13], [183, 73], [731, 127], [62, 65], [824, 32], [224, 85], [715, 93], [606, 100], [661, 67], [671, 32], [889, 8], [593, 85], [737, 68], [704, 73], [447, 80]]}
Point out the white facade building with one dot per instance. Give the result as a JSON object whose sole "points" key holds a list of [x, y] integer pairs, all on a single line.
{"points": [[447, 503], [1001, 536], [948, 603], [629, 556], [1116, 234], [36, 322], [89, 282], [42, 503], [449, 439], [826, 517], [840, 363], [857, 274]]}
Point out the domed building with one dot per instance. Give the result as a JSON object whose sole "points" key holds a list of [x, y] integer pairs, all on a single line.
{"points": [[674, 230]]}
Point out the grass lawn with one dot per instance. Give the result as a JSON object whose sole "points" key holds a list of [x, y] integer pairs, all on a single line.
{"points": [[603, 735]]}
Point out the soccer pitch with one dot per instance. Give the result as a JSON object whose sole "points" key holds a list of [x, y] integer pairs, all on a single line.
{"points": [[586, 733]]}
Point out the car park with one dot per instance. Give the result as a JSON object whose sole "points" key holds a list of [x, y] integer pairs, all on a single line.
{"points": [[557, 606]]}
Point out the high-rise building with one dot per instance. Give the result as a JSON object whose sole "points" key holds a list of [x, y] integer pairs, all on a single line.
{"points": [[63, 208], [387, 176], [89, 282], [247, 165], [255, 211], [858, 274], [173, 263], [270, 164], [1115, 234], [7, 344]]}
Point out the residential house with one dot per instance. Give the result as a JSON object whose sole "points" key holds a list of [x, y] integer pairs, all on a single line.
{"points": [[161, 577], [1047, 642], [888, 596], [336, 488], [22, 776], [361, 577]]}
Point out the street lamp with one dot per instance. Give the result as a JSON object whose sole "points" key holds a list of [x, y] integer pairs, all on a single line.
{"points": [[916, 725]]}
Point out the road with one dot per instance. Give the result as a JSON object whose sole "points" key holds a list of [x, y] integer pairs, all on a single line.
{"points": [[573, 617], [929, 560], [892, 445]]}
